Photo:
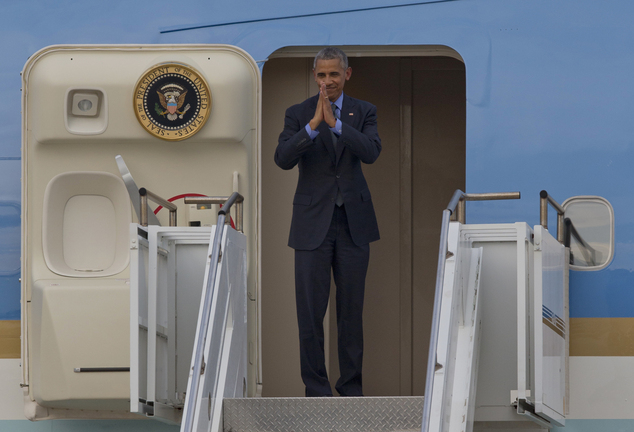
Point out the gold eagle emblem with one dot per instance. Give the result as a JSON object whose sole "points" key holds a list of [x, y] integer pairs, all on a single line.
{"points": [[172, 98]]}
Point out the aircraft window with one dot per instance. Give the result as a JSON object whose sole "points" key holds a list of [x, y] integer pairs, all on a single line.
{"points": [[593, 220]]}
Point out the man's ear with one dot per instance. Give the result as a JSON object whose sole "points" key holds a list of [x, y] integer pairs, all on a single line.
{"points": [[348, 73]]}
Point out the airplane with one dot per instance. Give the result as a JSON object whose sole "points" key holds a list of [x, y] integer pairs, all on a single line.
{"points": [[483, 96]]}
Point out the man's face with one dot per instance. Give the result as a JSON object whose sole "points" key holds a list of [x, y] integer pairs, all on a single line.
{"points": [[333, 75]]}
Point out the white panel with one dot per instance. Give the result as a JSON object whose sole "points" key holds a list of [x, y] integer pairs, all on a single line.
{"points": [[497, 373], [601, 387], [506, 259], [190, 260], [152, 312], [81, 323], [90, 232], [138, 318], [468, 350], [225, 350], [453, 394], [163, 311], [11, 404], [441, 390], [165, 295], [524, 293], [549, 326]]}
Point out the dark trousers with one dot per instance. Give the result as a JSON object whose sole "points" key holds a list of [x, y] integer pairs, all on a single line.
{"points": [[349, 264]]}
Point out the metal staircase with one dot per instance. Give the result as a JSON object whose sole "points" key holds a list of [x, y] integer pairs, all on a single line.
{"points": [[490, 277], [333, 414]]}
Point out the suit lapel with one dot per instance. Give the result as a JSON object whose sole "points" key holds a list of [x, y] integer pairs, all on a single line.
{"points": [[348, 112]]}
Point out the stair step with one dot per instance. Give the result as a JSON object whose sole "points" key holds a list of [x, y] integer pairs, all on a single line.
{"points": [[327, 414]]}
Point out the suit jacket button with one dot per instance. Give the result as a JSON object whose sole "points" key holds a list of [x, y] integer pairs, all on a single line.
{"points": [[332, 200], [338, 175]]}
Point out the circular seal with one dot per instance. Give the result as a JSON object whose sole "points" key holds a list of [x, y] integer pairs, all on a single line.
{"points": [[172, 101]]}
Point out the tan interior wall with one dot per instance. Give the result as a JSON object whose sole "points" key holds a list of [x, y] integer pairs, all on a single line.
{"points": [[285, 82], [421, 106], [438, 159]]}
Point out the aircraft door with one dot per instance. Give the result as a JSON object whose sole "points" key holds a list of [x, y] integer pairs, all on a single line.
{"points": [[186, 120]]}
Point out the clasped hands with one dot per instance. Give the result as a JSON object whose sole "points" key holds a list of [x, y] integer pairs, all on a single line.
{"points": [[323, 112]]}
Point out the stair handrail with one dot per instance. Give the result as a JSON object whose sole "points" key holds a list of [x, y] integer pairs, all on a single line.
{"points": [[207, 200], [457, 204], [544, 200], [565, 227], [201, 336], [145, 194]]}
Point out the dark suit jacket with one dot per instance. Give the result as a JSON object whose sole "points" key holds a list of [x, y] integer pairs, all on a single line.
{"points": [[321, 171]]}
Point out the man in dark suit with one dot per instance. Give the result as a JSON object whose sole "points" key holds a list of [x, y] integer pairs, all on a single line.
{"points": [[328, 136]]}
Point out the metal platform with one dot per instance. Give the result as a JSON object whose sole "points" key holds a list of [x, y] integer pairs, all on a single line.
{"points": [[331, 414]]}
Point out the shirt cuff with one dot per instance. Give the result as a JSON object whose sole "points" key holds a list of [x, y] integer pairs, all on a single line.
{"points": [[337, 128], [311, 133]]}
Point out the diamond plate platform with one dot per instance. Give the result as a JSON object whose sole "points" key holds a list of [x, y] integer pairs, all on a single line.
{"points": [[328, 414]]}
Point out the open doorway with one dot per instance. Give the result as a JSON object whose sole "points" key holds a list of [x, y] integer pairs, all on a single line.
{"points": [[420, 96]]}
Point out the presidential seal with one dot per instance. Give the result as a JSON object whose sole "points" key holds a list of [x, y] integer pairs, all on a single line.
{"points": [[172, 101]]}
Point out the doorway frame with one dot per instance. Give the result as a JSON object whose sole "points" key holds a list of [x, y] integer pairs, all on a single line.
{"points": [[407, 53]]}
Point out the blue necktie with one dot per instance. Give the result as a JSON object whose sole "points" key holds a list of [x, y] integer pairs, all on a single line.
{"points": [[339, 200]]}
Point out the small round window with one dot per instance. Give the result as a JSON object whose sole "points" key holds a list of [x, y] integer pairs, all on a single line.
{"points": [[589, 231]]}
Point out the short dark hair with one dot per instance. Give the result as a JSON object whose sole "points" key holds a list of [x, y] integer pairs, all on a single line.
{"points": [[330, 53]]}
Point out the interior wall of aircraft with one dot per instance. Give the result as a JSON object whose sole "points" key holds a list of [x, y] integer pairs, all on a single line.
{"points": [[421, 116]]}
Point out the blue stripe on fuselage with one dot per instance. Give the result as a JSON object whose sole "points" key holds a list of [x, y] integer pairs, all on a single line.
{"points": [[602, 294]]}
